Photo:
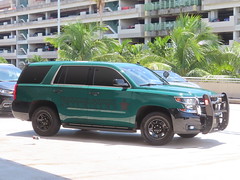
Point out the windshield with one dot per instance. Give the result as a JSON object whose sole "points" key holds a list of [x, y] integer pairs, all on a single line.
{"points": [[9, 73], [142, 76], [173, 77]]}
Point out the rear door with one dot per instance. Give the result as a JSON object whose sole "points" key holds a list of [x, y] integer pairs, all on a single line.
{"points": [[70, 89]]}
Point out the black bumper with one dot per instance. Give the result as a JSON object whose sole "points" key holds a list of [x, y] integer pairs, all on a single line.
{"points": [[214, 116], [6, 104], [20, 110]]}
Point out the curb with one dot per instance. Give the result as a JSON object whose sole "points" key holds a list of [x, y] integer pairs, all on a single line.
{"points": [[234, 101]]}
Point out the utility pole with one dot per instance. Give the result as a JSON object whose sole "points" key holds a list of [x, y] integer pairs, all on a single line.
{"points": [[58, 16], [58, 21]]}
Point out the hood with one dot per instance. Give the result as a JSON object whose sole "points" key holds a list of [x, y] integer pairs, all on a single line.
{"points": [[181, 91], [7, 85]]}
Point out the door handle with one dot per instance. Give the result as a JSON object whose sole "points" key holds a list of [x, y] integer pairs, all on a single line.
{"points": [[94, 93], [57, 90]]}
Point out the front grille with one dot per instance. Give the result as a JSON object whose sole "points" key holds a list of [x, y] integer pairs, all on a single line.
{"points": [[214, 112], [218, 102]]}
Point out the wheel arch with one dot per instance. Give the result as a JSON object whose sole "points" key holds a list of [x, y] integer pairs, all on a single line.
{"points": [[36, 104], [145, 110]]}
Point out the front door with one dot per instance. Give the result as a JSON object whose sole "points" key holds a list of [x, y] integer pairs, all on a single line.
{"points": [[108, 105]]}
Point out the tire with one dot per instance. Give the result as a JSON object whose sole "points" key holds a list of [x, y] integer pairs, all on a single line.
{"points": [[188, 135], [45, 121], [156, 129]]}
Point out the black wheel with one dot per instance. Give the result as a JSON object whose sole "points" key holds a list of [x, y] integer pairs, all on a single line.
{"points": [[187, 135], [45, 121], [156, 129]]}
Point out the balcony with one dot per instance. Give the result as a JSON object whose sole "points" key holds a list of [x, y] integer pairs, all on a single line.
{"points": [[160, 26], [172, 7], [8, 54], [5, 4], [42, 53], [131, 31], [171, 4], [209, 3], [36, 38], [228, 25], [158, 29], [8, 40], [121, 13]]}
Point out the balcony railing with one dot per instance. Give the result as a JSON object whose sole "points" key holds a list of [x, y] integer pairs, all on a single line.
{"points": [[160, 26], [8, 40], [43, 53], [171, 4]]}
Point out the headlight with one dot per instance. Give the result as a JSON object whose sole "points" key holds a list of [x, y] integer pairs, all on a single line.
{"points": [[191, 105], [6, 92]]}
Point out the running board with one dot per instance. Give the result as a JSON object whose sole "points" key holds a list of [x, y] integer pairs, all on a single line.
{"points": [[98, 127]]}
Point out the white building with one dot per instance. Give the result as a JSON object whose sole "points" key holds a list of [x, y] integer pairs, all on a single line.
{"points": [[25, 23]]}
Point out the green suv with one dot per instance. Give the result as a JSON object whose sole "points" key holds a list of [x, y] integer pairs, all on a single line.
{"points": [[114, 97]]}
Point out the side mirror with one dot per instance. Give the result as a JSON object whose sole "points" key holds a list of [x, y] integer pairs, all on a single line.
{"points": [[166, 74], [120, 83]]}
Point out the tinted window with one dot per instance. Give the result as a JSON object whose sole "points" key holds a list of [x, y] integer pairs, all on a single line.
{"points": [[104, 76], [33, 74], [72, 75]]}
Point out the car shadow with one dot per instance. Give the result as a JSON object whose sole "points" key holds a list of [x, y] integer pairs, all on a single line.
{"points": [[6, 115], [115, 138]]}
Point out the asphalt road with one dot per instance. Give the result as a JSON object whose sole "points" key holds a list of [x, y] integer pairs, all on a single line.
{"points": [[75, 154]]}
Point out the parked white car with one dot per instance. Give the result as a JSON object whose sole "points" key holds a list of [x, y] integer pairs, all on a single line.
{"points": [[175, 79]]}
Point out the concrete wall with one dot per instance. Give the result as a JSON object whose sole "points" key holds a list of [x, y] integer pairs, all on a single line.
{"points": [[219, 4], [218, 1], [232, 89]]}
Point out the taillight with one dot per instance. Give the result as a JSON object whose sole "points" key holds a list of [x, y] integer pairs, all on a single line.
{"points": [[15, 92]]}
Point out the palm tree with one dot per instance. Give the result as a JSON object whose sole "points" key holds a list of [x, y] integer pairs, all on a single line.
{"points": [[152, 61], [160, 46], [36, 58], [160, 54], [225, 60], [3, 60], [100, 6], [79, 42], [110, 57], [191, 40]]}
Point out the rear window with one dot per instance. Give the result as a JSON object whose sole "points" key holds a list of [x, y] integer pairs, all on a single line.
{"points": [[33, 74], [72, 75]]}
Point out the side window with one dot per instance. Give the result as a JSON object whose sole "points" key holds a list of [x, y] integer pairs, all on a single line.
{"points": [[33, 74], [72, 75], [103, 76]]}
